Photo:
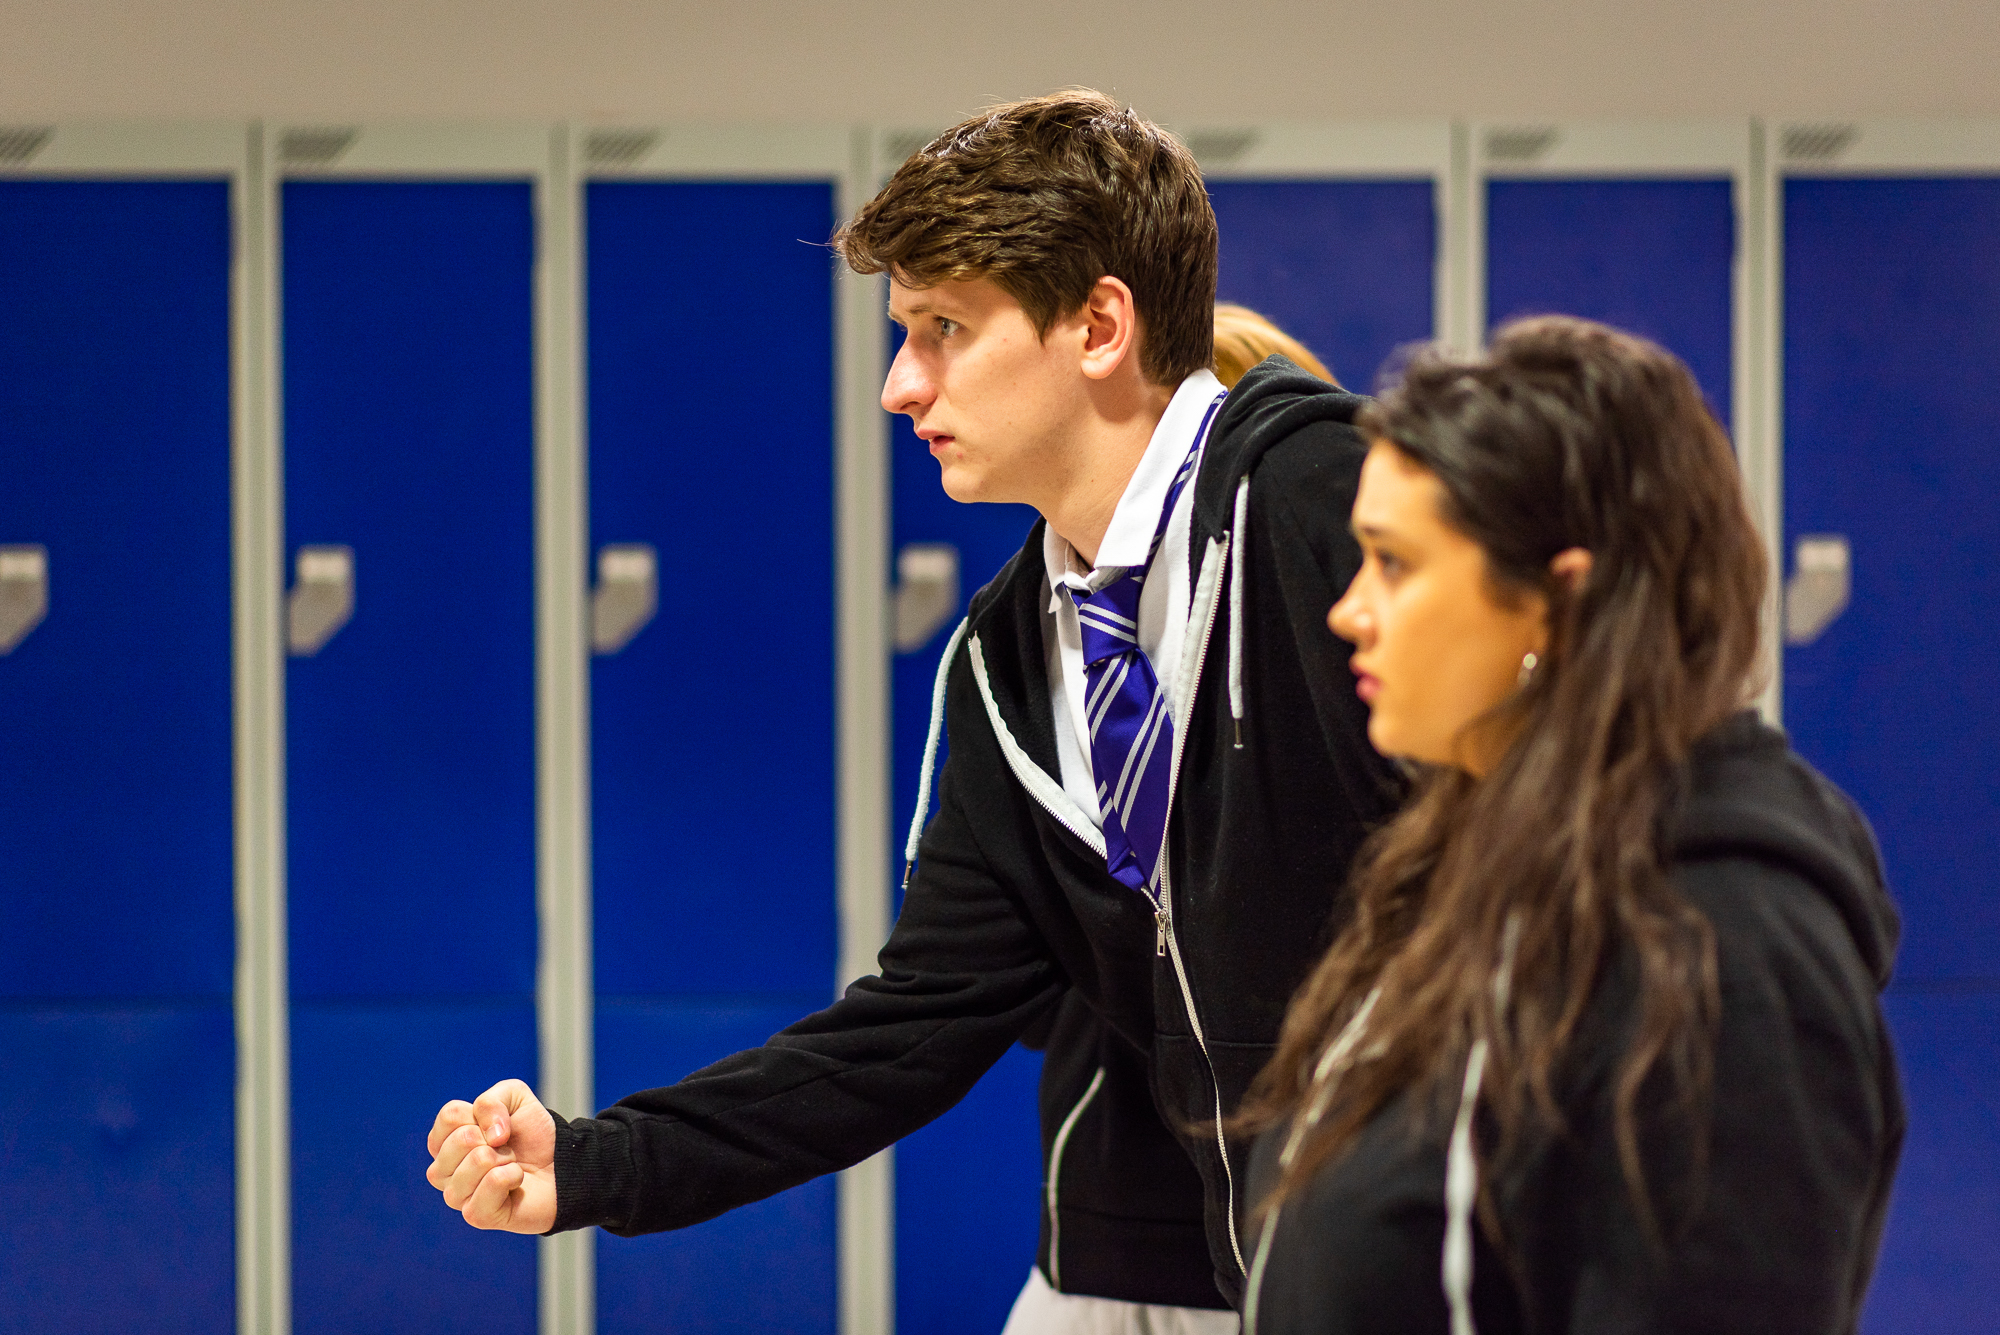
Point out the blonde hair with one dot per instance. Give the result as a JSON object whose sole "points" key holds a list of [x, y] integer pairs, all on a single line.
{"points": [[1243, 338]]}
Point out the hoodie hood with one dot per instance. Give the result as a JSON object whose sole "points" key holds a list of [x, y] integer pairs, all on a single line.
{"points": [[1749, 795], [1273, 401]]}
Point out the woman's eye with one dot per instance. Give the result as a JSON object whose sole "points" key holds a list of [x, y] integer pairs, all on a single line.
{"points": [[1391, 566]]}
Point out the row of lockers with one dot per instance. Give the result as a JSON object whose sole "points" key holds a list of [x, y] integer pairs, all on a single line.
{"points": [[408, 337], [408, 318]]}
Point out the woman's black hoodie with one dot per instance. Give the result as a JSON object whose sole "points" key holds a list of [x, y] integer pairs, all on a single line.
{"points": [[1777, 1235]]}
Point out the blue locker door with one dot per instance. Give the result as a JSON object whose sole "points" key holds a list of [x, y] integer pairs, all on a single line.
{"points": [[711, 403], [1892, 330], [117, 1085], [1345, 266], [1654, 257], [408, 355]]}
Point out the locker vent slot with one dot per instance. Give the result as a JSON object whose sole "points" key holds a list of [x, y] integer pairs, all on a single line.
{"points": [[1219, 148], [317, 146], [20, 143], [1521, 143], [899, 146], [618, 148], [1818, 143]]}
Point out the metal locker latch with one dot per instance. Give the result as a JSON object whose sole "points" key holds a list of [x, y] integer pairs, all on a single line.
{"points": [[627, 594], [1817, 592], [321, 600], [24, 592], [926, 592]]}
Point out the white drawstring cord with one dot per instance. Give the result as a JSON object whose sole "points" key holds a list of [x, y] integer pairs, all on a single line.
{"points": [[1461, 1171], [1240, 535], [930, 751], [1337, 1058], [1461, 1191]]}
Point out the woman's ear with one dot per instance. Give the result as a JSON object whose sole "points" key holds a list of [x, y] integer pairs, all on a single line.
{"points": [[1571, 567]]}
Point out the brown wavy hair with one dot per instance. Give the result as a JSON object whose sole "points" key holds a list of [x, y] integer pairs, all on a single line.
{"points": [[1564, 434], [1044, 197]]}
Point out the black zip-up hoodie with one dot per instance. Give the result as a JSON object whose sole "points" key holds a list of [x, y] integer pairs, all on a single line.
{"points": [[1010, 904], [1776, 1235]]}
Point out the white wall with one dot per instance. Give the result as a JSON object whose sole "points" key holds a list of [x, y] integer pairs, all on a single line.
{"points": [[923, 62]]}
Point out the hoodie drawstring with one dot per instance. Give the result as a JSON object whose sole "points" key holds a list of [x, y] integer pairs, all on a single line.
{"points": [[930, 751], [1240, 534], [1339, 1055], [1461, 1174], [1461, 1170]]}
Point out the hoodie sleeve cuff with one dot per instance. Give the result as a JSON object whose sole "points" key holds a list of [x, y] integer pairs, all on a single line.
{"points": [[596, 1184]]}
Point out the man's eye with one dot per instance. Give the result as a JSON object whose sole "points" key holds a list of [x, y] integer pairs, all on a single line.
{"points": [[946, 328]]}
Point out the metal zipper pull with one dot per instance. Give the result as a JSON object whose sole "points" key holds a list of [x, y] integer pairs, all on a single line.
{"points": [[1161, 920]]}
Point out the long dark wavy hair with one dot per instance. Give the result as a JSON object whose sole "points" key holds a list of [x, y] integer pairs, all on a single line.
{"points": [[1564, 434]]}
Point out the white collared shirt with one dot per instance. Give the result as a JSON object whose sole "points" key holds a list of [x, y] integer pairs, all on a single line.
{"points": [[1163, 602]]}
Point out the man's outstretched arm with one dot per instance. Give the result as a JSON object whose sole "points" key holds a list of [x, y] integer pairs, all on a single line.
{"points": [[962, 976]]}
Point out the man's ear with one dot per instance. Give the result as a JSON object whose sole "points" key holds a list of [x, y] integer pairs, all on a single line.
{"points": [[1110, 321]]}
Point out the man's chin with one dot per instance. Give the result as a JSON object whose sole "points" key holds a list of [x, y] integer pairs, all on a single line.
{"points": [[960, 484]]}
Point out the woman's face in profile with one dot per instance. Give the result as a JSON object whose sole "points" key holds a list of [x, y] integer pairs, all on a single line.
{"points": [[1434, 649]]}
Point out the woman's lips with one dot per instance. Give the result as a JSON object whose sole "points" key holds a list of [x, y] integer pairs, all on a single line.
{"points": [[1367, 688]]}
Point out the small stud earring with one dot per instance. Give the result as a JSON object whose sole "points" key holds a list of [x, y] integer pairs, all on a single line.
{"points": [[1528, 665]]}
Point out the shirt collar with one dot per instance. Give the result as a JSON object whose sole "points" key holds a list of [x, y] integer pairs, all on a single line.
{"points": [[1137, 518]]}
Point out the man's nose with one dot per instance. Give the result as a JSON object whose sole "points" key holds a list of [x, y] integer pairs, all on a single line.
{"points": [[907, 389]]}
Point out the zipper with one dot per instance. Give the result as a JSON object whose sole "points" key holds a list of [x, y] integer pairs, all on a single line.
{"points": [[1034, 779], [1055, 1178], [1166, 909]]}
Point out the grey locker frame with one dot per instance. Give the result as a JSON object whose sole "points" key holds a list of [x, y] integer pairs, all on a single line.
{"points": [[319, 150], [134, 150], [1663, 150], [1845, 146], [627, 151]]}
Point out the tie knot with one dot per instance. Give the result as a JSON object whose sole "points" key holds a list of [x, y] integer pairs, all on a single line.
{"points": [[1109, 618]]}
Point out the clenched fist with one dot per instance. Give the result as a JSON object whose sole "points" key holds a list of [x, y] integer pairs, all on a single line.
{"points": [[494, 1159]]}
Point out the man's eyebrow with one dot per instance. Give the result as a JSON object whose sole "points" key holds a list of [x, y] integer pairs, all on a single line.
{"points": [[914, 310]]}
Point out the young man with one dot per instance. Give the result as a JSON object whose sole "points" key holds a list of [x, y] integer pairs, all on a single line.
{"points": [[1158, 767]]}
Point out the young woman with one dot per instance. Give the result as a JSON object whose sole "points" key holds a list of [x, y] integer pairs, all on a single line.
{"points": [[1600, 1048]]}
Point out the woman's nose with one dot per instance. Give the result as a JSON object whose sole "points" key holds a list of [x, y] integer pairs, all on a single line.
{"points": [[1345, 618]]}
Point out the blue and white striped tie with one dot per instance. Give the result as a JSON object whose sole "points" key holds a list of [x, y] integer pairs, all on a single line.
{"points": [[1131, 726]]}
